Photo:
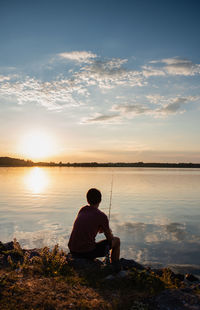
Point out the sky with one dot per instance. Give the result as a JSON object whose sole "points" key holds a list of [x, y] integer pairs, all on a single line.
{"points": [[105, 81]]}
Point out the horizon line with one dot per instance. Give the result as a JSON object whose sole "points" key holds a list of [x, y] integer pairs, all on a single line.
{"points": [[11, 161]]}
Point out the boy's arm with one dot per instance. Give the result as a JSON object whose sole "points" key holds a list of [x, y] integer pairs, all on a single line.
{"points": [[104, 228], [108, 234]]}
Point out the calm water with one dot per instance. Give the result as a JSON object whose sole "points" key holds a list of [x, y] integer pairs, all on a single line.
{"points": [[156, 212]]}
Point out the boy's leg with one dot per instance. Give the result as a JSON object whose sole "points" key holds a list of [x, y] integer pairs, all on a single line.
{"points": [[115, 253], [101, 249]]}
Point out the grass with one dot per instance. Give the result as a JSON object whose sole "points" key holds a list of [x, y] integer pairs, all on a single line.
{"points": [[49, 281]]}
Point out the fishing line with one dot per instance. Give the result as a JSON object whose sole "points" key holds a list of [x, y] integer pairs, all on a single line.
{"points": [[110, 203]]}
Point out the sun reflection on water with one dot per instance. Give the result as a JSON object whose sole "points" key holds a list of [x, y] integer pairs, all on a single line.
{"points": [[36, 180]]}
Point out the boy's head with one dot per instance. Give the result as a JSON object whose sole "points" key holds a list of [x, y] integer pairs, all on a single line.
{"points": [[93, 196]]}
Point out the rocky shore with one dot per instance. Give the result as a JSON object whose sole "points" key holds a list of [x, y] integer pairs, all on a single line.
{"points": [[53, 279]]}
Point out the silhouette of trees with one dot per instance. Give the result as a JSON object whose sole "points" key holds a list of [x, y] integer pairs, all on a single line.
{"points": [[16, 162]]}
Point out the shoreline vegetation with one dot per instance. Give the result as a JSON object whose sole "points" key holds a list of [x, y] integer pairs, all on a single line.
{"points": [[52, 279], [16, 162]]}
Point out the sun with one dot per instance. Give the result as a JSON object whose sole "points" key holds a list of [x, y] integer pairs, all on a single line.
{"points": [[37, 145]]}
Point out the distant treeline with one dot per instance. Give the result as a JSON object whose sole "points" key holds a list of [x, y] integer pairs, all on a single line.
{"points": [[16, 162]]}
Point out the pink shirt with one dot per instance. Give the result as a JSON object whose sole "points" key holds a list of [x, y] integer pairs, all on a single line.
{"points": [[85, 229]]}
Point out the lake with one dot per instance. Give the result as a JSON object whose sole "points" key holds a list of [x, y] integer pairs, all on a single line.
{"points": [[155, 211]]}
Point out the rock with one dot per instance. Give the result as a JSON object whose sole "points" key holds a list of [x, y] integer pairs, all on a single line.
{"points": [[116, 266], [158, 272], [83, 263], [191, 278], [187, 289], [177, 300], [110, 277], [6, 246], [3, 261], [179, 276], [32, 253], [122, 274], [130, 263], [173, 275], [119, 275]]}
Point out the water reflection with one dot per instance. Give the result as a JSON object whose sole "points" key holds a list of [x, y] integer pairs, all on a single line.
{"points": [[154, 212], [36, 180], [166, 244], [44, 234]]}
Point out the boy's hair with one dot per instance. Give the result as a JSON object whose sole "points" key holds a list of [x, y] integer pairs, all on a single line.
{"points": [[93, 196]]}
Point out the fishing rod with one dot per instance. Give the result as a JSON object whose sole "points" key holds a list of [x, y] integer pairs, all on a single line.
{"points": [[110, 203]]}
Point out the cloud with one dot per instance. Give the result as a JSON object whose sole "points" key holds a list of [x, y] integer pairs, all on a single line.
{"points": [[181, 67], [108, 80], [157, 99], [76, 88], [78, 56], [130, 110], [53, 95], [108, 74], [101, 118], [175, 105], [161, 106], [177, 66], [151, 71], [4, 78]]}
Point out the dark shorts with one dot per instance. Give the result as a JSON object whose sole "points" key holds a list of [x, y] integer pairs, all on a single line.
{"points": [[101, 250]]}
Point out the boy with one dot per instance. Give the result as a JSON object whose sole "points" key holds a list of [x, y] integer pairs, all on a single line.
{"points": [[90, 220]]}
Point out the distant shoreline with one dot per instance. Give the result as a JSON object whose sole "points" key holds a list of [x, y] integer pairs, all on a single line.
{"points": [[16, 162]]}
